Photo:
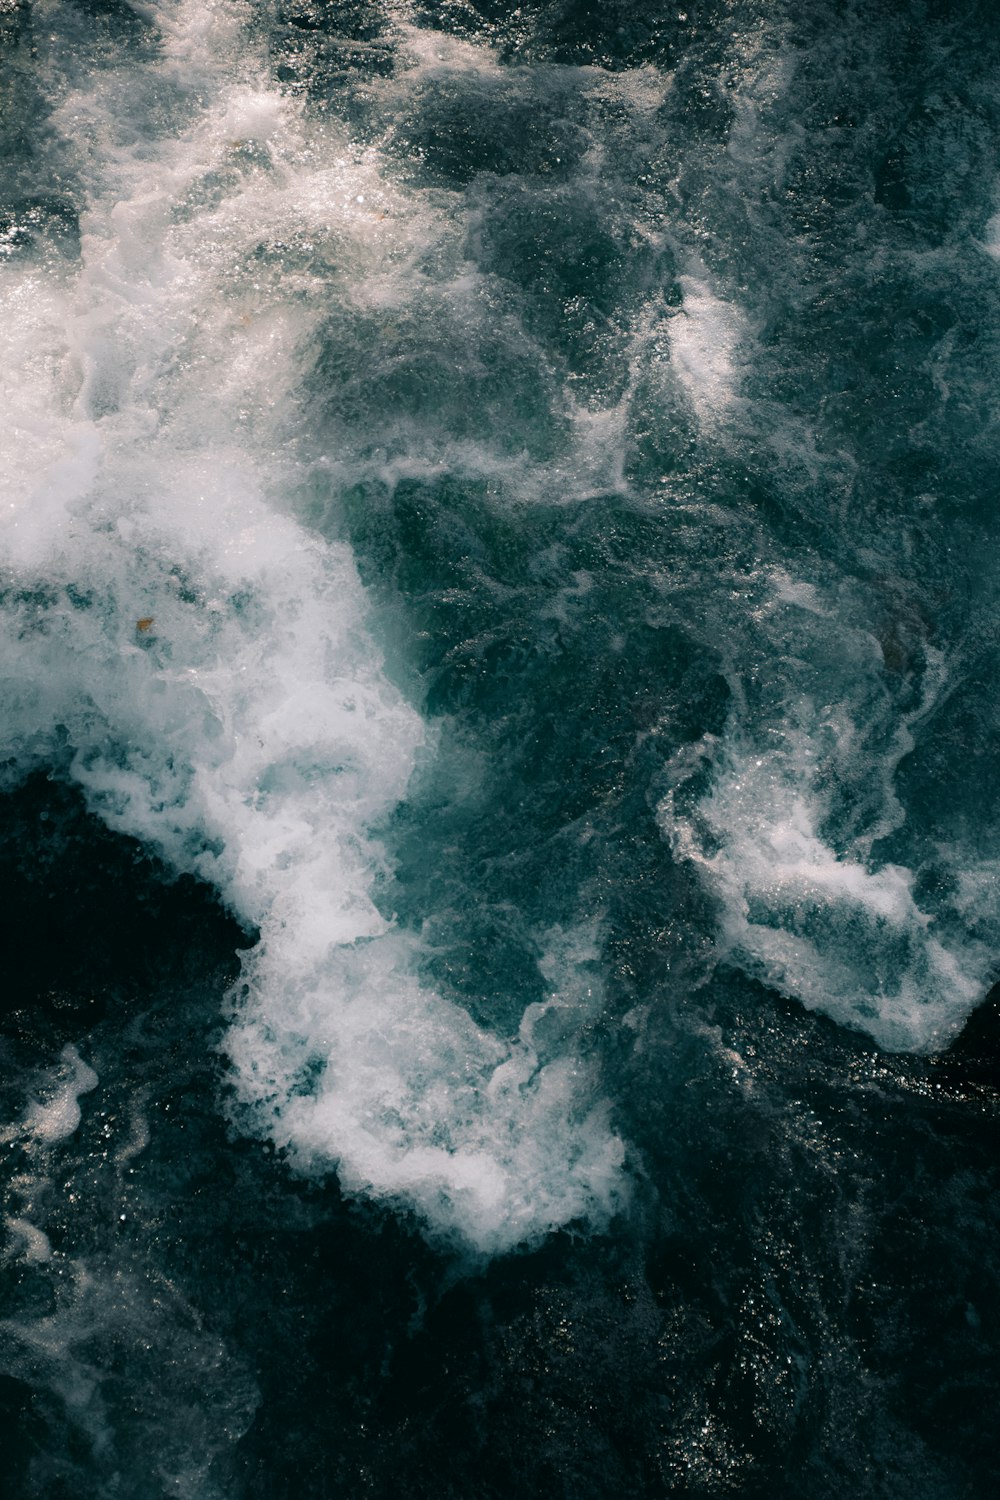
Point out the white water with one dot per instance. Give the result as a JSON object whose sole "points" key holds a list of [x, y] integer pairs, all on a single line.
{"points": [[705, 337], [805, 903], [207, 666], [55, 1118], [102, 1317]]}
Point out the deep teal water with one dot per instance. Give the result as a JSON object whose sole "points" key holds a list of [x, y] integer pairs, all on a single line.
{"points": [[640, 1135]]}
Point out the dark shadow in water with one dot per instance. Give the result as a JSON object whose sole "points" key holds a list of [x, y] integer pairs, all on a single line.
{"points": [[805, 1298]]}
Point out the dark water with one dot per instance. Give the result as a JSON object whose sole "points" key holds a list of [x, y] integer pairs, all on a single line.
{"points": [[499, 732]]}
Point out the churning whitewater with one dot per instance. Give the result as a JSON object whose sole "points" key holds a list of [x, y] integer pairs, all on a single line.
{"points": [[204, 665], [499, 875]]}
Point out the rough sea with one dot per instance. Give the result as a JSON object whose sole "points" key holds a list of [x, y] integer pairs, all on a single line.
{"points": [[499, 749]]}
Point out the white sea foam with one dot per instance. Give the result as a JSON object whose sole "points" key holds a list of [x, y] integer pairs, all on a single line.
{"points": [[819, 926], [108, 1325], [786, 815], [991, 236], [829, 926], [102, 1350], [705, 336], [59, 1115], [208, 666], [32, 1243]]}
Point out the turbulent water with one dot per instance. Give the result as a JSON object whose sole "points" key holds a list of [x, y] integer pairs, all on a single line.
{"points": [[498, 742]]}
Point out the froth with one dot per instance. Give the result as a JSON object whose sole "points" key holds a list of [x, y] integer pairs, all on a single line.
{"points": [[825, 926], [206, 669], [705, 336], [806, 821], [59, 1116]]}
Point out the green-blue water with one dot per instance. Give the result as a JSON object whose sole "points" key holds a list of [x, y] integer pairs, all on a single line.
{"points": [[498, 832]]}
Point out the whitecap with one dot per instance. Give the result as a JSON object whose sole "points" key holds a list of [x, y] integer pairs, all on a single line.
{"points": [[206, 669]]}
